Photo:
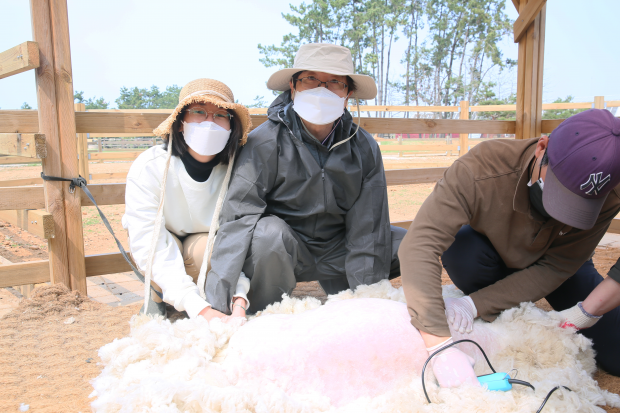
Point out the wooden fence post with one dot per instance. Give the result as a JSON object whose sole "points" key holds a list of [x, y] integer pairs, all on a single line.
{"points": [[530, 74], [82, 147], [57, 121], [599, 102], [464, 138]]}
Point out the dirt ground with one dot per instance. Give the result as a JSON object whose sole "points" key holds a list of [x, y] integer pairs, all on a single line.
{"points": [[49, 343]]}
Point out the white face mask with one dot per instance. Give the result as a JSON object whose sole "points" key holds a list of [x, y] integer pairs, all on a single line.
{"points": [[319, 105], [206, 138]]}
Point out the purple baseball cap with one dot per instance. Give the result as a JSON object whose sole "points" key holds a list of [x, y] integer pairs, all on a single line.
{"points": [[584, 167]]}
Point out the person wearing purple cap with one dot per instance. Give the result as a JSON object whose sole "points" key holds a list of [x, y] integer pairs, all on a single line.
{"points": [[516, 221]]}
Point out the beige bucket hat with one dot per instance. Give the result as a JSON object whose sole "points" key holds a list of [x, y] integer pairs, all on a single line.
{"points": [[328, 58], [208, 91]]}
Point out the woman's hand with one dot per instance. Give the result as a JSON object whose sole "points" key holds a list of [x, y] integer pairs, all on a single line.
{"points": [[239, 306], [209, 313]]}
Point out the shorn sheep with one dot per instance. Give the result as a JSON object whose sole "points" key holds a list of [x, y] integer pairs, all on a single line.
{"points": [[356, 353]]}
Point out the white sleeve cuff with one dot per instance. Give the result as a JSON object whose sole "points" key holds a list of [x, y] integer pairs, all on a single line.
{"points": [[192, 304], [243, 287]]}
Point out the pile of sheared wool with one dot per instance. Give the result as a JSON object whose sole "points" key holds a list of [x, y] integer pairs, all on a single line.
{"points": [[356, 353]]}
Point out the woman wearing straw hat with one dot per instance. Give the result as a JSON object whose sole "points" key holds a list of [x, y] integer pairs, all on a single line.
{"points": [[308, 199], [174, 196]]}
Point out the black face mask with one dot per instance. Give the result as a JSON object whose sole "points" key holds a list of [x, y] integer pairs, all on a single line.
{"points": [[536, 199], [536, 194]]}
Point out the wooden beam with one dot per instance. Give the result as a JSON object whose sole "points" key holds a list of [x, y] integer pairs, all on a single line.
{"points": [[599, 102], [391, 125], [19, 59], [28, 145], [614, 226], [402, 224], [464, 137], [103, 264], [139, 123], [105, 194], [530, 76], [19, 121], [21, 273], [542, 22], [31, 197], [112, 175], [493, 108], [18, 160], [119, 156], [548, 125], [418, 148], [369, 108], [527, 14], [66, 128], [42, 28], [21, 182], [22, 197], [35, 272], [82, 147], [413, 176], [37, 222], [516, 4]]}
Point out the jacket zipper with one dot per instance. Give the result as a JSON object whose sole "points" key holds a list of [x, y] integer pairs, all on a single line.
{"points": [[321, 162]]}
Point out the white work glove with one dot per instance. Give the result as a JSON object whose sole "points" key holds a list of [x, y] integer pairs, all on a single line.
{"points": [[452, 367], [578, 318], [461, 313]]}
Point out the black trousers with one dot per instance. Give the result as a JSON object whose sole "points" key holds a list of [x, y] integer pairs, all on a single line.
{"points": [[473, 263], [278, 259]]}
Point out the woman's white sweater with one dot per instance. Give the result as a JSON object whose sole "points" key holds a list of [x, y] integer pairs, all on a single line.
{"points": [[188, 209]]}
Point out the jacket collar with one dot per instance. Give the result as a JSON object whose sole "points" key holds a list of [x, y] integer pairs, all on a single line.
{"points": [[521, 199]]}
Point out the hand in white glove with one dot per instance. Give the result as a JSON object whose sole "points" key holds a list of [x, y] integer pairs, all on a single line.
{"points": [[461, 313], [578, 318], [452, 367]]}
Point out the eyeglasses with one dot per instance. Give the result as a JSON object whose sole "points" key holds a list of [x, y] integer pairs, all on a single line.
{"points": [[312, 82], [198, 115]]}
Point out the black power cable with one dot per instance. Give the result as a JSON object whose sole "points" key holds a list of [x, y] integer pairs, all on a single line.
{"points": [[549, 395], [511, 381]]}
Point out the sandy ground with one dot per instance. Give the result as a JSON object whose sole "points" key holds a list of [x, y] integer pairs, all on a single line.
{"points": [[48, 345]]}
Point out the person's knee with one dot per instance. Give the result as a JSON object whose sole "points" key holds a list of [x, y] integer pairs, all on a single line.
{"points": [[398, 234], [472, 262], [271, 233], [194, 247]]}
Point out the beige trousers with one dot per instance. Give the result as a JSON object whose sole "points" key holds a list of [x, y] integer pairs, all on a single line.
{"points": [[193, 249]]}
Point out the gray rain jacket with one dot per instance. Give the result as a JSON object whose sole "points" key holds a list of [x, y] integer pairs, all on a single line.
{"points": [[340, 194]]}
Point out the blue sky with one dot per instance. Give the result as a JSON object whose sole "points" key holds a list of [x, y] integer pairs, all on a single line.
{"points": [[117, 43]]}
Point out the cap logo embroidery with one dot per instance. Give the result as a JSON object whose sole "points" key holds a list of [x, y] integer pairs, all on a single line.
{"points": [[596, 182]]}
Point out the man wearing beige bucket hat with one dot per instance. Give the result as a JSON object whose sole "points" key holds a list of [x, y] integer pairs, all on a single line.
{"points": [[174, 196], [308, 198]]}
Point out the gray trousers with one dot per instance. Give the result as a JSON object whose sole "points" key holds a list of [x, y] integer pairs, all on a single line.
{"points": [[278, 259]]}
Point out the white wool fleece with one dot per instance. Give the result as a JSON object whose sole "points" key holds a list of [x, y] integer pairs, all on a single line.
{"points": [[188, 209]]}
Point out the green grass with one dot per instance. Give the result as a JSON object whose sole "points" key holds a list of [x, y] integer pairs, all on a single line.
{"points": [[91, 221]]}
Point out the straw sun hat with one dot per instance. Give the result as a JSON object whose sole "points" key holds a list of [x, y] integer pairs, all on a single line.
{"points": [[328, 58], [208, 91]]}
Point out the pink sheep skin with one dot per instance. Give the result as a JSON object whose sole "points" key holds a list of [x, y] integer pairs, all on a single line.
{"points": [[343, 350]]}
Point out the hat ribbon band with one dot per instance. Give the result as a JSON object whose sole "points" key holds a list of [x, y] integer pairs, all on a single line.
{"points": [[209, 92]]}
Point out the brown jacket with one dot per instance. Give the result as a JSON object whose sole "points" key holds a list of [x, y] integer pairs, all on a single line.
{"points": [[487, 189]]}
